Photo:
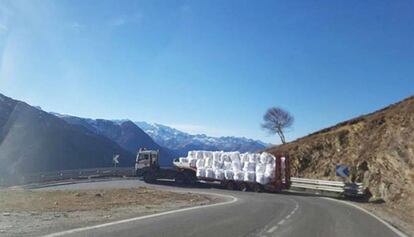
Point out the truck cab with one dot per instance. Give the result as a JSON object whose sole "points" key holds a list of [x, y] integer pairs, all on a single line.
{"points": [[146, 160]]}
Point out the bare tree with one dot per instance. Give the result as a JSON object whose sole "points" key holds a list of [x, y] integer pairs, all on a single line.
{"points": [[276, 120]]}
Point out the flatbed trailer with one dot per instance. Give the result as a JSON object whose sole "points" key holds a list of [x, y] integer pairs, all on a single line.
{"points": [[183, 174]]}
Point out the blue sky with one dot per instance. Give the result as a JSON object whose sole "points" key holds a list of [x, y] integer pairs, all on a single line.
{"points": [[208, 66]]}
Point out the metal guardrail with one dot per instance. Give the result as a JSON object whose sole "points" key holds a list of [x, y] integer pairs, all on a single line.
{"points": [[66, 174], [348, 189]]}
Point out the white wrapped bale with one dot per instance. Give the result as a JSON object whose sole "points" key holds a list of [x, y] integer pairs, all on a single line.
{"points": [[199, 154], [270, 171], [191, 154], [244, 157], [217, 164], [262, 179], [266, 158], [236, 166], [208, 154], [227, 165], [249, 176], [210, 173], [226, 157], [238, 175], [229, 174], [201, 172], [192, 162], [260, 168], [235, 157], [219, 174], [217, 156], [208, 162], [200, 163], [249, 167], [183, 160], [252, 157]]}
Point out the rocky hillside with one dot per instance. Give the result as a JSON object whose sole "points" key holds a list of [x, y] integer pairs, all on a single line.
{"points": [[384, 140], [32, 140], [182, 142], [125, 133]]}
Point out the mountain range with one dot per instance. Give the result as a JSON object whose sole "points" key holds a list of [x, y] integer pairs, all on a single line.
{"points": [[32, 140], [182, 142], [124, 132]]}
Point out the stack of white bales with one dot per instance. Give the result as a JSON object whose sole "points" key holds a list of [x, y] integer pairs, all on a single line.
{"points": [[249, 167]]}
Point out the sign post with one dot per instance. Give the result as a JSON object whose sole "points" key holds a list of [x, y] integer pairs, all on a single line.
{"points": [[115, 160]]}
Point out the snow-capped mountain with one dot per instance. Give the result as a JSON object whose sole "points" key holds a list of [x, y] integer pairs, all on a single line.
{"points": [[124, 132], [182, 142]]}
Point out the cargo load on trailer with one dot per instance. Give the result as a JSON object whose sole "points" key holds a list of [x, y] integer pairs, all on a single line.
{"points": [[234, 170], [219, 165]]}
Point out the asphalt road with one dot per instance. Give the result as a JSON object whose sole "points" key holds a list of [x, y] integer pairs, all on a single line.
{"points": [[246, 214]]}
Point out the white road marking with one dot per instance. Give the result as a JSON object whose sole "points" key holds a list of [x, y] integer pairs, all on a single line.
{"points": [[395, 230], [66, 232], [271, 230], [281, 222]]}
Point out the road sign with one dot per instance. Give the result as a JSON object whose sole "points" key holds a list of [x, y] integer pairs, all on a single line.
{"points": [[342, 170], [115, 160]]}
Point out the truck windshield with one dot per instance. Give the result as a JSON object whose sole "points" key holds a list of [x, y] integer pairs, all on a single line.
{"points": [[143, 157]]}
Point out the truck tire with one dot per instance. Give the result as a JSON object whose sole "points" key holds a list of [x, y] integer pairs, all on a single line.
{"points": [[180, 179], [243, 186], [149, 177], [231, 185], [258, 188]]}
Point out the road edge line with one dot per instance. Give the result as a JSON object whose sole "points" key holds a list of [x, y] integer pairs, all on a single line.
{"points": [[395, 230], [72, 231]]}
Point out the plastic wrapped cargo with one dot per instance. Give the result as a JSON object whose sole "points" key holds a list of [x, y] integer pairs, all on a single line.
{"points": [[266, 158], [217, 164], [192, 162], [249, 176], [262, 179], [227, 165], [238, 175], [229, 174], [249, 167], [210, 173], [208, 162], [201, 172], [244, 157], [207, 154], [252, 157], [191, 154], [270, 171], [219, 174], [260, 168], [217, 156], [200, 163], [236, 166], [199, 154]]}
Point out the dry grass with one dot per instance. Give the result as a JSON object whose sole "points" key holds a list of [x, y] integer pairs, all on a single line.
{"points": [[83, 200]]}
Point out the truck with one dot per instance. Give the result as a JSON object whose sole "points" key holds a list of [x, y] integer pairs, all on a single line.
{"points": [[148, 168]]}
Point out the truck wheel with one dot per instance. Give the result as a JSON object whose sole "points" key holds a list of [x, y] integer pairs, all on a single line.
{"points": [[180, 179], [231, 185], [243, 187], [149, 177], [258, 188]]}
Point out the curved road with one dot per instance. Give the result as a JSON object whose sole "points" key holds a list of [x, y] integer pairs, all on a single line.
{"points": [[249, 214]]}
